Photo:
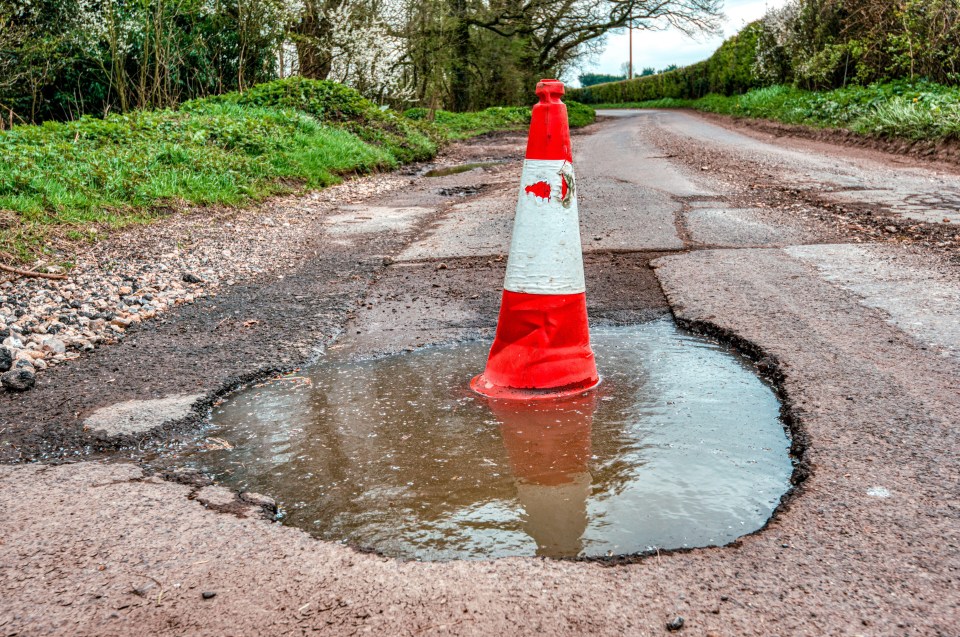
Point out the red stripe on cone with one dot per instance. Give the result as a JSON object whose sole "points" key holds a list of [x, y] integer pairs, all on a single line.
{"points": [[549, 136], [542, 344]]}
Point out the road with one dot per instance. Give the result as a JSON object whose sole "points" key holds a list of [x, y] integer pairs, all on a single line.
{"points": [[836, 269]]}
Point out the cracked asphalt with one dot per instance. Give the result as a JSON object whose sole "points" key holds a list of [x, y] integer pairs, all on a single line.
{"points": [[778, 246]]}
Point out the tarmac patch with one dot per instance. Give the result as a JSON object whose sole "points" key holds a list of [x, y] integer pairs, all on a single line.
{"points": [[139, 416]]}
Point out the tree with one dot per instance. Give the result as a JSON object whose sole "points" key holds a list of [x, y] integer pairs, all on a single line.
{"points": [[487, 52], [562, 31]]}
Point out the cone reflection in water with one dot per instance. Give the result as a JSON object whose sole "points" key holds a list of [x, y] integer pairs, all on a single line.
{"points": [[542, 345], [549, 449]]}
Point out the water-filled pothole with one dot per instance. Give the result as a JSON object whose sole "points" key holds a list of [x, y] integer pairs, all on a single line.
{"points": [[681, 446]]}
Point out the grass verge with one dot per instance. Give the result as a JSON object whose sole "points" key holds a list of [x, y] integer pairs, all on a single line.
{"points": [[91, 175], [465, 125], [78, 180], [907, 110]]}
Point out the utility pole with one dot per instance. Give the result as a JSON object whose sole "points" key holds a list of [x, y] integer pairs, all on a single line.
{"points": [[630, 31]]}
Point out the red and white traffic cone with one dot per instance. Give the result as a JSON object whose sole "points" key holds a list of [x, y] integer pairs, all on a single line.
{"points": [[542, 345]]}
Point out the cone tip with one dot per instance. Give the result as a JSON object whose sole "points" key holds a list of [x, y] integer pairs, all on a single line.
{"points": [[549, 91]]}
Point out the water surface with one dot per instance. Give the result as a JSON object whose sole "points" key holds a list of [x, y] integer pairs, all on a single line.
{"points": [[681, 446]]}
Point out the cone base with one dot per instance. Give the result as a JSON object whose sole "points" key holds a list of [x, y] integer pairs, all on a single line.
{"points": [[482, 386]]}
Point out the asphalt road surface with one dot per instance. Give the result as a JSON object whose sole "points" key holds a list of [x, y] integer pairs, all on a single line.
{"points": [[835, 269]]}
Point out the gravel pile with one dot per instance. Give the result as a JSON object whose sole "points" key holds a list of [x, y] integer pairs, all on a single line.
{"points": [[136, 275]]}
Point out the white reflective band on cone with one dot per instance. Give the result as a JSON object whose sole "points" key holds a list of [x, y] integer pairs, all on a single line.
{"points": [[545, 252]]}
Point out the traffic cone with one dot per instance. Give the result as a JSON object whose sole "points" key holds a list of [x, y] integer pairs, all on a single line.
{"points": [[542, 344]]}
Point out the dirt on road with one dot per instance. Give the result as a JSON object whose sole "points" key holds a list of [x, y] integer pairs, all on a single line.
{"points": [[780, 251]]}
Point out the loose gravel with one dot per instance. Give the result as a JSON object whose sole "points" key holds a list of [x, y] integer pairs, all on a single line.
{"points": [[137, 275]]}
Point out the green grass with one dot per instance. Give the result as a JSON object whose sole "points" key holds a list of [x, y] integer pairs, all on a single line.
{"points": [[94, 174], [340, 106], [464, 125], [910, 110], [77, 180]]}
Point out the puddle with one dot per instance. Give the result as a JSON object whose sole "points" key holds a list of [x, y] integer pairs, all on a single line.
{"points": [[462, 168], [681, 446]]}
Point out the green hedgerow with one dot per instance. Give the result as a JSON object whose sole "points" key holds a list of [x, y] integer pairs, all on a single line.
{"points": [[917, 110]]}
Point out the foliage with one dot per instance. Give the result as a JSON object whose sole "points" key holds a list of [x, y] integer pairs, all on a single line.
{"points": [[60, 59], [815, 45], [918, 110], [471, 124], [64, 58], [354, 42], [469, 55], [591, 79], [729, 70], [819, 44], [580, 114], [496, 118], [337, 105]]}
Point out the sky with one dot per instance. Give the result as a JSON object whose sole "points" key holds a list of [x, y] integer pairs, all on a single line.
{"points": [[661, 48]]}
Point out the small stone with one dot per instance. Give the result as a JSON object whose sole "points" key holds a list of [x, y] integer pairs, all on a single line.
{"points": [[122, 323], [890, 228], [20, 379], [675, 624], [209, 594], [190, 277], [54, 345], [6, 359], [125, 290], [442, 266]]}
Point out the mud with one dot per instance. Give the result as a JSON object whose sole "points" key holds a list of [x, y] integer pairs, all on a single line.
{"points": [[452, 299]]}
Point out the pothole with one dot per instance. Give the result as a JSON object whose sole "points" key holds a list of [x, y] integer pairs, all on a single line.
{"points": [[460, 191], [461, 168], [681, 446]]}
